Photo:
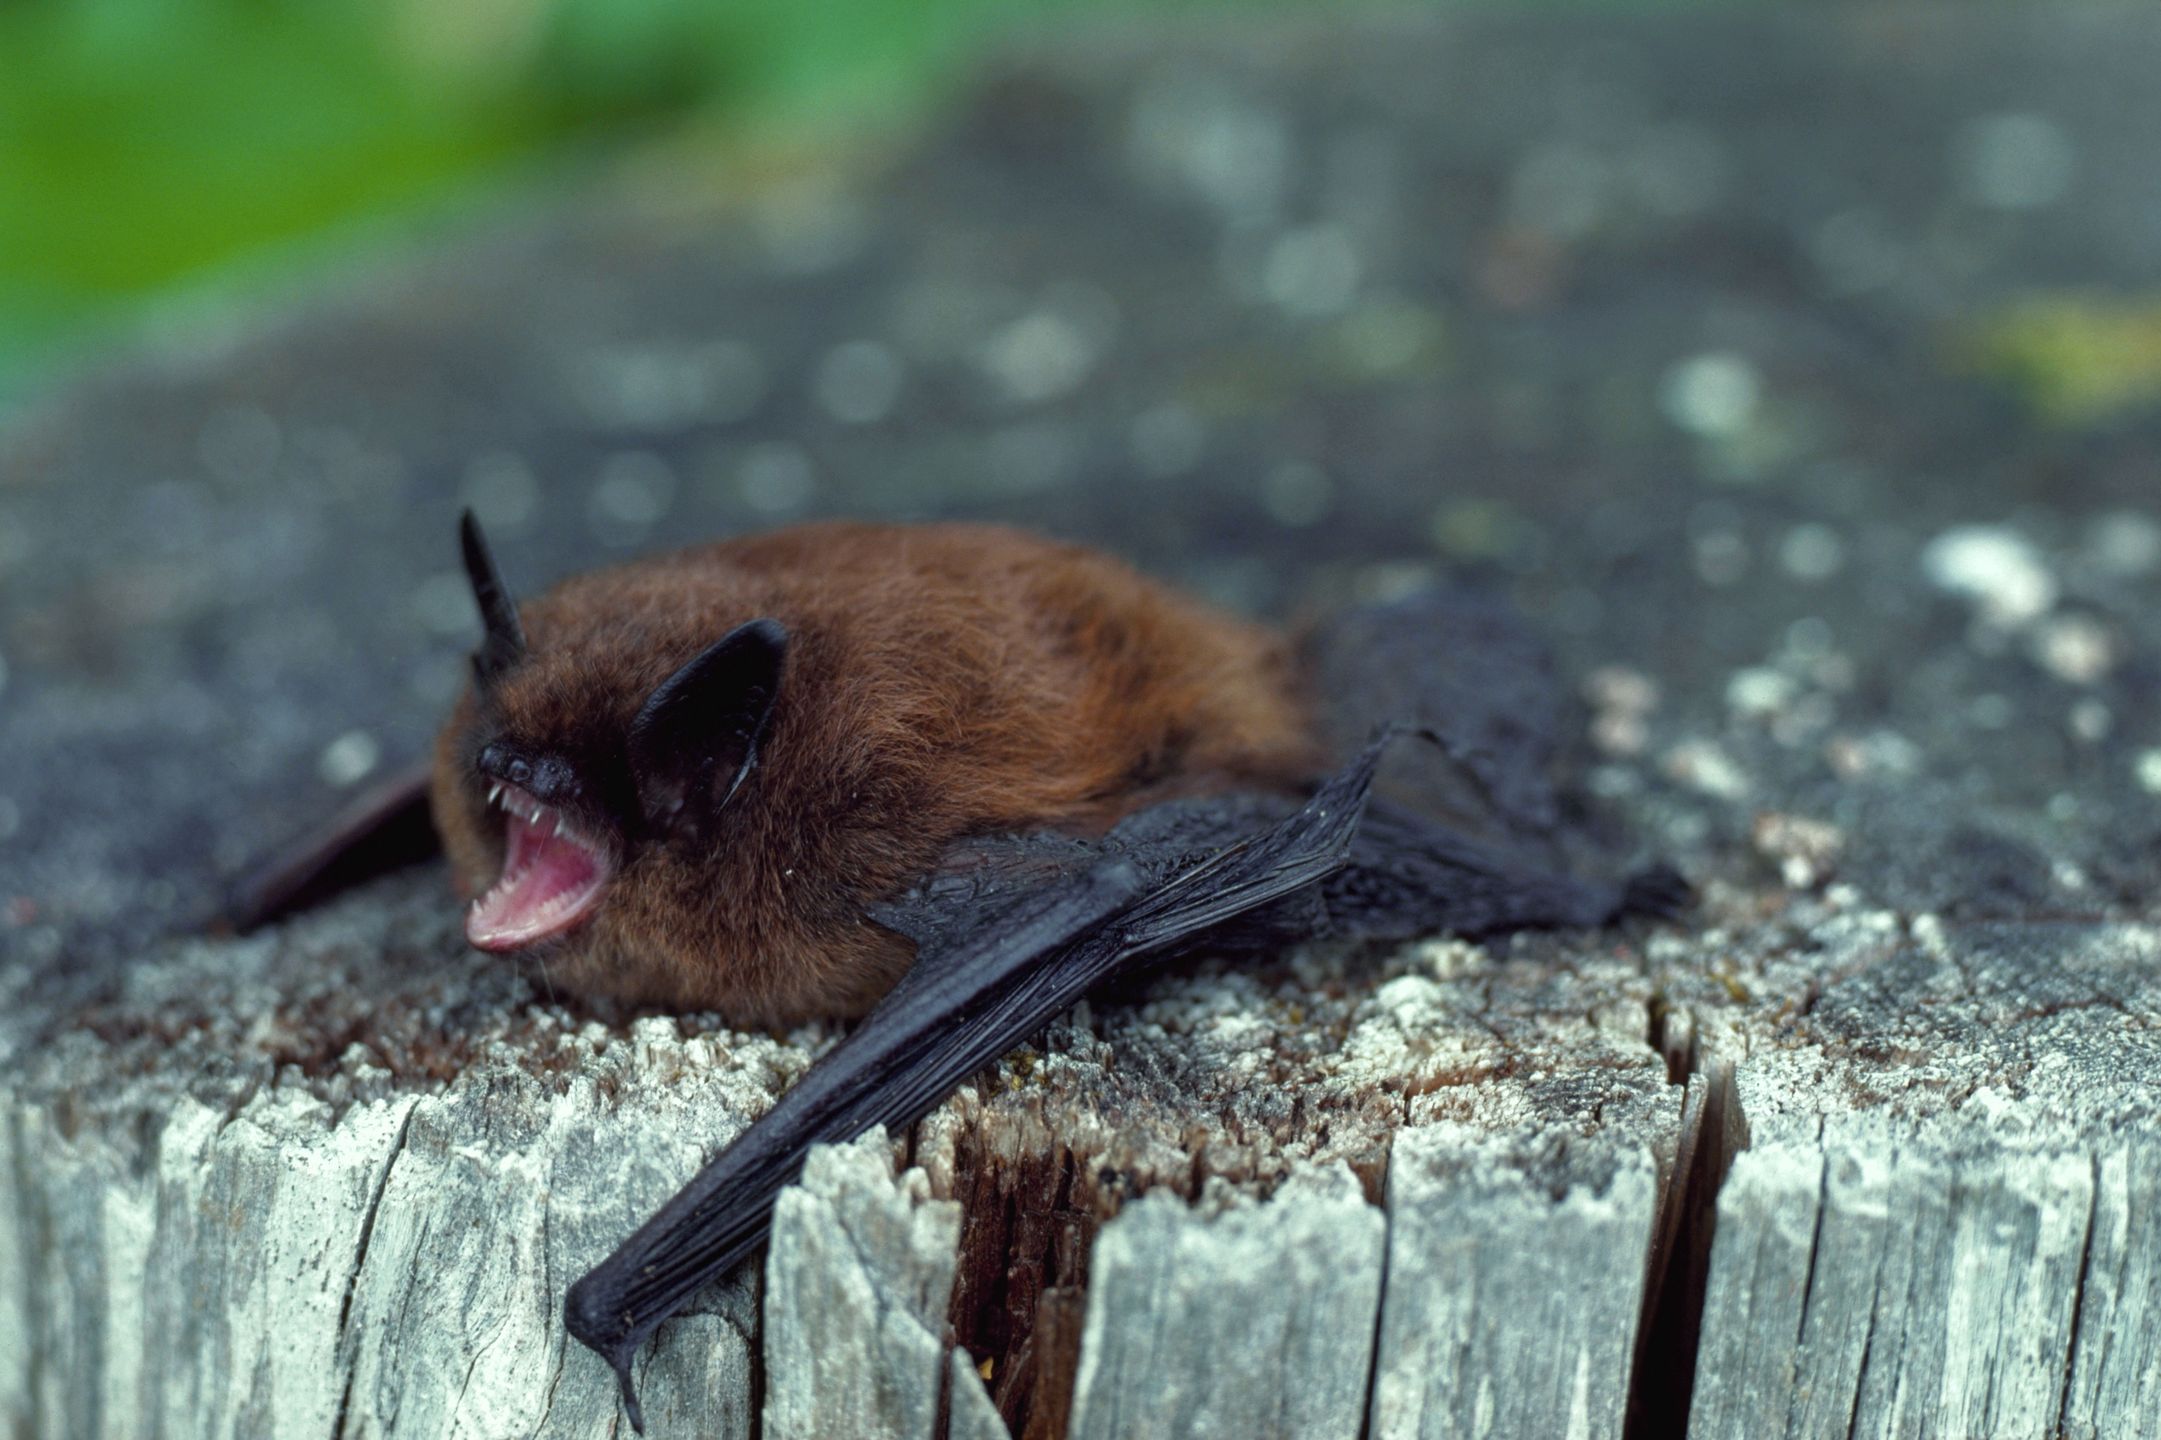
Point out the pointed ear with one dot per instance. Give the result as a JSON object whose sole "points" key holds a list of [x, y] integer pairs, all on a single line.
{"points": [[503, 644], [696, 739]]}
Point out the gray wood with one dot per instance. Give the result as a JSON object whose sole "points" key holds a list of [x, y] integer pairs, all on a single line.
{"points": [[1514, 1284], [2116, 1370], [1885, 1265], [1915, 1294], [1254, 1320], [858, 1276], [387, 1265], [1765, 1250], [208, 1252]]}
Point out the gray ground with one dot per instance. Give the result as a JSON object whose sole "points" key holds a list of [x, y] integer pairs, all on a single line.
{"points": [[1663, 326]]}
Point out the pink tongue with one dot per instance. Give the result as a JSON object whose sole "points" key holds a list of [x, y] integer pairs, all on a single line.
{"points": [[549, 883]]}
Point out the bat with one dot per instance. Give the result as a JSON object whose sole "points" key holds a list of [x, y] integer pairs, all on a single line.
{"points": [[948, 779]]}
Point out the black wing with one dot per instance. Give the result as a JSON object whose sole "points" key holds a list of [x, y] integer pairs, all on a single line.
{"points": [[1018, 928], [385, 827], [1038, 923]]}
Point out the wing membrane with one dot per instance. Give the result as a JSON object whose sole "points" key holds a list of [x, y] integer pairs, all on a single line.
{"points": [[989, 984]]}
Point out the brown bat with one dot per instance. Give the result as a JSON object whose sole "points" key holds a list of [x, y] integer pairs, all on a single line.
{"points": [[893, 689], [953, 776]]}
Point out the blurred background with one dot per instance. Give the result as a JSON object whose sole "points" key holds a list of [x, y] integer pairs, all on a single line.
{"points": [[153, 151], [156, 156], [1796, 369]]}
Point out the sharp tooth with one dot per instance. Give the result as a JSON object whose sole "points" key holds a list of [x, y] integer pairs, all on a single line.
{"points": [[495, 792]]}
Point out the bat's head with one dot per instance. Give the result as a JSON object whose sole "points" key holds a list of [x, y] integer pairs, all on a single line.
{"points": [[584, 750]]}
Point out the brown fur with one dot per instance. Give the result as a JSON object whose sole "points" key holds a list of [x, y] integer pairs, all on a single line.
{"points": [[940, 681]]}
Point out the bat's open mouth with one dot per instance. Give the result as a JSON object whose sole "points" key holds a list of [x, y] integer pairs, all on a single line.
{"points": [[553, 874]]}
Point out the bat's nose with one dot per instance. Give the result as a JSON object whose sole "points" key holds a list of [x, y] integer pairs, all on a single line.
{"points": [[500, 762], [545, 777]]}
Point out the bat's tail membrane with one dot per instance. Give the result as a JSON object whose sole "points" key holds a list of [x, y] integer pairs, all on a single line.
{"points": [[1462, 665], [1409, 875]]}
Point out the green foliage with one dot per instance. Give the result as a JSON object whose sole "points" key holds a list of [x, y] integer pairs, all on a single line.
{"points": [[141, 143], [146, 144], [2074, 360]]}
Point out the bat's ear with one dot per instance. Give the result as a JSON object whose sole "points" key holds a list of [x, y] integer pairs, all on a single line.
{"points": [[696, 739], [503, 644]]}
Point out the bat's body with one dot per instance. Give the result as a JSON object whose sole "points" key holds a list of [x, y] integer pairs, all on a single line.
{"points": [[937, 682], [953, 776]]}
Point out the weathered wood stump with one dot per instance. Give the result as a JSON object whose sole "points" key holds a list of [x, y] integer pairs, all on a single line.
{"points": [[1866, 1146], [308, 1242]]}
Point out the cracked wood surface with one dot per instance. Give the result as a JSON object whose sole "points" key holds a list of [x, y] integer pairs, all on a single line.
{"points": [[1942, 1224], [1695, 317], [336, 1252]]}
